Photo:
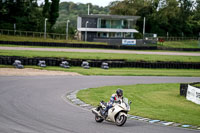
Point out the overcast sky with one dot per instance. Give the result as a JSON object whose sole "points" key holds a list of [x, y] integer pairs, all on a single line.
{"points": [[94, 2]]}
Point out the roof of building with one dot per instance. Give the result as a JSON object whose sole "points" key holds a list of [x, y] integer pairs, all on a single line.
{"points": [[105, 16]]}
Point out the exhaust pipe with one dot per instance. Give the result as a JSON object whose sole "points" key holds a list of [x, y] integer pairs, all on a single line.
{"points": [[94, 111]]}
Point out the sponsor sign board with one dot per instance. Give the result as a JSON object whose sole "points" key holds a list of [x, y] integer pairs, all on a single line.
{"points": [[193, 94], [128, 41]]}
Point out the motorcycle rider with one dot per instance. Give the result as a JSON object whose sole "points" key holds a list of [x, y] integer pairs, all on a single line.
{"points": [[114, 98]]}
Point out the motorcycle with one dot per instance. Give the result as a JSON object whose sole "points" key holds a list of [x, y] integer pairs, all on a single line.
{"points": [[117, 114]]}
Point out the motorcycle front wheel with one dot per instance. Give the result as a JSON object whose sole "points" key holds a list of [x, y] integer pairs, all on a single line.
{"points": [[98, 119], [120, 120]]}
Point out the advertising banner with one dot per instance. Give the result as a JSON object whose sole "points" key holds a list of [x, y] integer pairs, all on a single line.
{"points": [[193, 94], [128, 41]]}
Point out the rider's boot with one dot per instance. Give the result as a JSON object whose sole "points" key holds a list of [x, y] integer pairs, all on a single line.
{"points": [[104, 113]]}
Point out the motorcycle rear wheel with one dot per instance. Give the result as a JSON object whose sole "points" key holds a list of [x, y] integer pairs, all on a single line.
{"points": [[120, 120], [98, 119]]}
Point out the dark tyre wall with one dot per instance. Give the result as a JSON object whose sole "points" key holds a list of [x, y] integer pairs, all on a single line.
{"points": [[96, 46], [184, 87], [9, 60]]}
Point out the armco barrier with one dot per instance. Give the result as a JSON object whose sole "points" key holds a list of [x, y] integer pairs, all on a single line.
{"points": [[52, 44], [8, 60]]}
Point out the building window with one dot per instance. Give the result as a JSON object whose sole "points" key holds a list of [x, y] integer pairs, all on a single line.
{"points": [[118, 34], [127, 35], [112, 35], [103, 23], [102, 34], [125, 24], [117, 24]]}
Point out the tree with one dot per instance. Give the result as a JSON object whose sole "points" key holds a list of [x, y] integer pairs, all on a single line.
{"points": [[184, 17], [46, 9], [26, 15], [196, 19], [126, 7], [54, 12], [162, 16]]}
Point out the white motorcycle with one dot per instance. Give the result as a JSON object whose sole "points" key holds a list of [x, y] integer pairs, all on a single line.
{"points": [[117, 114]]}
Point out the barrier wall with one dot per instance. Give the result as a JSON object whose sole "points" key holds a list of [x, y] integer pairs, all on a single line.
{"points": [[8, 60], [79, 45], [96, 46], [184, 88], [193, 94]]}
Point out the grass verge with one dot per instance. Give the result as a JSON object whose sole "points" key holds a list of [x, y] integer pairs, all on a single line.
{"points": [[155, 101], [181, 44], [102, 56], [38, 39], [122, 71]]}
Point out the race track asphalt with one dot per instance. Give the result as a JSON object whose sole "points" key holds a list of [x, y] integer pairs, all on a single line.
{"points": [[35, 104], [103, 51]]}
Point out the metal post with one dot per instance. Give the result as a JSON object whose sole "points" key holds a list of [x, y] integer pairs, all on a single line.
{"points": [[182, 36], [199, 39], [14, 29], [45, 29], [86, 30], [67, 29], [167, 35], [144, 26], [199, 42], [88, 9]]}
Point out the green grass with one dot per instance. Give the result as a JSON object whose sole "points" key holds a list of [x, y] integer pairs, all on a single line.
{"points": [[122, 71], [37, 39], [155, 101], [181, 44], [102, 56], [197, 85]]}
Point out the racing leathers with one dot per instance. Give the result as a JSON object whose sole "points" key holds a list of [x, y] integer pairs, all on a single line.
{"points": [[114, 98]]}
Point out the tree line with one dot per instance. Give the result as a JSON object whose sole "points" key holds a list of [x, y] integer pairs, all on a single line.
{"points": [[27, 15], [163, 17]]}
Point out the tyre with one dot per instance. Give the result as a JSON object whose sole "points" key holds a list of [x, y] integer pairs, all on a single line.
{"points": [[98, 119], [120, 120]]}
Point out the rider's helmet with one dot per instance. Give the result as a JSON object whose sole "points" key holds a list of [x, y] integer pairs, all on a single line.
{"points": [[119, 92]]}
